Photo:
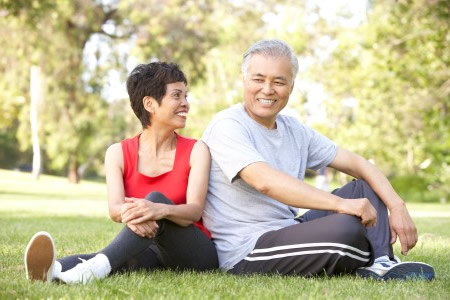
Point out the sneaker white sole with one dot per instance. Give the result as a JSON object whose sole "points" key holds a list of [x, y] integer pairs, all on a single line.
{"points": [[40, 256], [402, 271]]}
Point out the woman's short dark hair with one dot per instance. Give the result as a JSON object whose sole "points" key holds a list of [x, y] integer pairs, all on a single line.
{"points": [[151, 80]]}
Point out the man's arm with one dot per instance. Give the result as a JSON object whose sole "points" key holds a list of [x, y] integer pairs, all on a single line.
{"points": [[400, 221], [293, 192]]}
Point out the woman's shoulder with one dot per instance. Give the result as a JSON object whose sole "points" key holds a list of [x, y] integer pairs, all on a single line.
{"points": [[114, 154], [131, 140], [186, 140], [115, 148]]}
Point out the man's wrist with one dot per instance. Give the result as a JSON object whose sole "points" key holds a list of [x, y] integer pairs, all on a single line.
{"points": [[341, 205], [397, 205]]}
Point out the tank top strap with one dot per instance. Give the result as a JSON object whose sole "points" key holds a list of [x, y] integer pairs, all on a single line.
{"points": [[130, 155], [183, 153]]}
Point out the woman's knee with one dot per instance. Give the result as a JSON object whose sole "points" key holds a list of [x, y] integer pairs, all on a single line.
{"points": [[158, 197]]}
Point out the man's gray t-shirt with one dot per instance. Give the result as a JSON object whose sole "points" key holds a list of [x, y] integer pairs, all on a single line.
{"points": [[235, 213]]}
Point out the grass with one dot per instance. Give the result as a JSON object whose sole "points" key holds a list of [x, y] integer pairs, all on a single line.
{"points": [[76, 217]]}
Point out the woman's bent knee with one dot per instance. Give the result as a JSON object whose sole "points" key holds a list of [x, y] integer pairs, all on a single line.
{"points": [[158, 197]]}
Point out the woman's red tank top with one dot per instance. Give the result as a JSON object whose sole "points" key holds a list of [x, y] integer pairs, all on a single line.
{"points": [[173, 184]]}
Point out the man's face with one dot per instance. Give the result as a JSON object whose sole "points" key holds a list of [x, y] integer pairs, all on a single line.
{"points": [[267, 87]]}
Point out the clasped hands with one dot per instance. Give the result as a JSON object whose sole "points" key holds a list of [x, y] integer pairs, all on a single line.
{"points": [[141, 215]]}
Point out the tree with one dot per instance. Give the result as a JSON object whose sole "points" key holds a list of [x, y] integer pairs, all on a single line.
{"points": [[396, 67], [74, 110]]}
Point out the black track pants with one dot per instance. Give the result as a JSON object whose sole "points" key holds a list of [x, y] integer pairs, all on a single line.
{"points": [[323, 242]]}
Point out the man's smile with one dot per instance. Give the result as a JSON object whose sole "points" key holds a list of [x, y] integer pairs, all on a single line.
{"points": [[266, 101]]}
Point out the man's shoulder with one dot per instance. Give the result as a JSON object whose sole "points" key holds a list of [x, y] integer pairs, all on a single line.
{"points": [[292, 122], [224, 122], [231, 118], [232, 112]]}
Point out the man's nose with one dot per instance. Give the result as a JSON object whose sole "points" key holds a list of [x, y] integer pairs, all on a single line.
{"points": [[267, 88]]}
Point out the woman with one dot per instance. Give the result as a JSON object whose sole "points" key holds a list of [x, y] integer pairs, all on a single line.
{"points": [[156, 184]]}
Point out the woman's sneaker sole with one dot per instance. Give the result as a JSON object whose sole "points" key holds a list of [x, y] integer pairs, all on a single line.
{"points": [[401, 271], [39, 257]]}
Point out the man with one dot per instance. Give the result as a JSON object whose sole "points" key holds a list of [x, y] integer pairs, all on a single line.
{"points": [[259, 159]]}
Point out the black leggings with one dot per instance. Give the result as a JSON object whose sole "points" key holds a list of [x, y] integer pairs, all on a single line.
{"points": [[174, 247]]}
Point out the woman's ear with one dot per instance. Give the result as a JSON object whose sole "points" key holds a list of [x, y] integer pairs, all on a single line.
{"points": [[149, 103]]}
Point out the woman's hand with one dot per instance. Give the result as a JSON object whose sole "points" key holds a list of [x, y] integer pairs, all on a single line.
{"points": [[135, 211], [146, 229]]}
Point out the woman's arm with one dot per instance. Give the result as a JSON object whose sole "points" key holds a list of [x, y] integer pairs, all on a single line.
{"points": [[115, 191], [182, 214]]}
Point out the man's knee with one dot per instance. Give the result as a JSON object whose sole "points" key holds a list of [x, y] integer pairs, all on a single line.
{"points": [[363, 184], [348, 229], [158, 197], [366, 189], [353, 233]]}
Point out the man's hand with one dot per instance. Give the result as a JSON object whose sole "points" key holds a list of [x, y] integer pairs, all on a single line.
{"points": [[135, 211], [361, 208], [402, 226], [146, 229]]}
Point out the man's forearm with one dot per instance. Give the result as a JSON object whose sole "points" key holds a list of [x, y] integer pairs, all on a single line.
{"points": [[379, 183], [287, 189], [293, 192]]}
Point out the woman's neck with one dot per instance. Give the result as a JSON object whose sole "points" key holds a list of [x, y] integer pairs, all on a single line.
{"points": [[157, 142]]}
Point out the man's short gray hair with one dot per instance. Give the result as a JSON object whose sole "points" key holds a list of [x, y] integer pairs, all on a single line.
{"points": [[273, 48]]}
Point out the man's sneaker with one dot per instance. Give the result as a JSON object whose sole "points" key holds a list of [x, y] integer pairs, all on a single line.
{"points": [[97, 267], [40, 256], [386, 269]]}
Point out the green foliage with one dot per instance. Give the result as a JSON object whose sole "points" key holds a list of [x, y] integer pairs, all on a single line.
{"points": [[174, 30], [413, 188], [53, 36], [9, 155], [396, 67]]}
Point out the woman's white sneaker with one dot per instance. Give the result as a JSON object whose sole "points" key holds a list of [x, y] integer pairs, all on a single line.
{"points": [[97, 267], [40, 256]]}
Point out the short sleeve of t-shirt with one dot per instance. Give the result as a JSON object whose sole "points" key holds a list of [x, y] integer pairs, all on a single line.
{"points": [[321, 151], [230, 145]]}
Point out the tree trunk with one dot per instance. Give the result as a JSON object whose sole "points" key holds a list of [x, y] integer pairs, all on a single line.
{"points": [[73, 175], [36, 97]]}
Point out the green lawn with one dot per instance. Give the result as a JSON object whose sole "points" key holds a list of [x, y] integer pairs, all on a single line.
{"points": [[76, 217]]}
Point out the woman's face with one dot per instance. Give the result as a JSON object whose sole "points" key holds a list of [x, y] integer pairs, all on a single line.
{"points": [[174, 107]]}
